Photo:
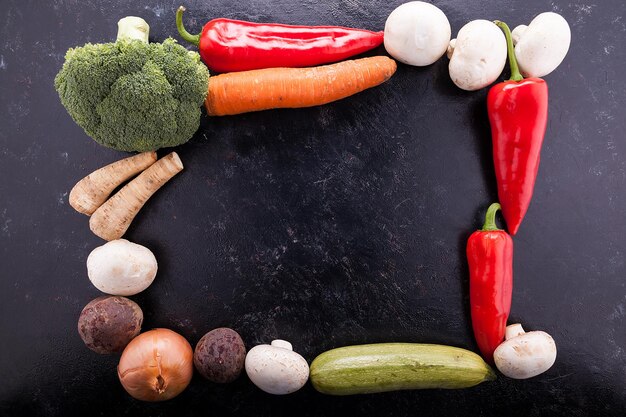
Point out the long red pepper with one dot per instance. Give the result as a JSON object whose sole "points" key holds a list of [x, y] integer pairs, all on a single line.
{"points": [[233, 45], [490, 258], [518, 114]]}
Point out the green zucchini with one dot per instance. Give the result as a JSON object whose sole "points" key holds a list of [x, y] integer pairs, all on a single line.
{"points": [[366, 369]]}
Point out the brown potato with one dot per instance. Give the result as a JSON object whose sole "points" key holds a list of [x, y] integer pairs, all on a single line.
{"points": [[108, 323], [220, 355]]}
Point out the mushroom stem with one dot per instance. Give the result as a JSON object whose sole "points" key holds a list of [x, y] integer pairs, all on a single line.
{"points": [[450, 49], [517, 33], [515, 74], [513, 330]]}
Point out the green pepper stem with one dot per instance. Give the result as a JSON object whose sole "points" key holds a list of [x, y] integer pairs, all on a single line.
{"points": [[195, 39], [515, 74], [490, 218]]}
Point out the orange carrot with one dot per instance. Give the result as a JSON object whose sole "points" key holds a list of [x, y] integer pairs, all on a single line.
{"points": [[273, 88]]}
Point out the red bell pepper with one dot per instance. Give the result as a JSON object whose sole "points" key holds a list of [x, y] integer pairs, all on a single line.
{"points": [[233, 45], [490, 258], [518, 114]]}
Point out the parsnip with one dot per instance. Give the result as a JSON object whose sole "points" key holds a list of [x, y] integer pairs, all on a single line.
{"points": [[93, 190], [113, 218]]}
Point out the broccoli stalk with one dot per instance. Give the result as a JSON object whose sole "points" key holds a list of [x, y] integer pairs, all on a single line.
{"points": [[132, 27], [132, 95]]}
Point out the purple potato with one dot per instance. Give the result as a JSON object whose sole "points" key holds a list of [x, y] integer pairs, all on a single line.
{"points": [[220, 355], [108, 323]]}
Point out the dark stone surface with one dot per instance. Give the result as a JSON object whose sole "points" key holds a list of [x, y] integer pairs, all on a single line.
{"points": [[328, 226]]}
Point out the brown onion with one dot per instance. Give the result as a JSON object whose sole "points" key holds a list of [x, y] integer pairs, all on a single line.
{"points": [[156, 365]]}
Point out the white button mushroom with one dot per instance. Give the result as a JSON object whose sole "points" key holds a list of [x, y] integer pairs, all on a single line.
{"points": [[417, 33], [524, 355], [276, 368], [477, 55], [541, 46], [120, 267]]}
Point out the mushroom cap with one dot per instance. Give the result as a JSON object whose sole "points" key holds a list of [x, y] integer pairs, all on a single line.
{"points": [[120, 267], [276, 370], [417, 33], [543, 45], [478, 55], [526, 355]]}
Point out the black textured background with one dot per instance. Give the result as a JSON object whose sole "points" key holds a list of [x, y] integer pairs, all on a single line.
{"points": [[328, 226]]}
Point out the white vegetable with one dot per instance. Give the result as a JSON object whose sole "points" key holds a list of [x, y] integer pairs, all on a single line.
{"points": [[132, 27], [417, 33], [477, 55], [516, 33], [120, 267], [276, 368], [524, 355], [541, 46]]}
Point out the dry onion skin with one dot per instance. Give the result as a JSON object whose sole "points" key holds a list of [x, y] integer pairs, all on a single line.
{"points": [[156, 365]]}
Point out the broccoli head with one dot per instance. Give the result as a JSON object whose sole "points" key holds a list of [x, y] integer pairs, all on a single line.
{"points": [[130, 95]]}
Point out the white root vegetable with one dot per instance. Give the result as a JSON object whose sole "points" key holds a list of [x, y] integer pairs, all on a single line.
{"points": [[524, 355], [93, 190], [121, 267], [477, 55], [276, 368], [541, 46], [113, 218], [417, 33]]}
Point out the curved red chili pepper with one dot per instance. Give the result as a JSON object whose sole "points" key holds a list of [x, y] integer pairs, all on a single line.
{"points": [[518, 114], [227, 45], [490, 258]]}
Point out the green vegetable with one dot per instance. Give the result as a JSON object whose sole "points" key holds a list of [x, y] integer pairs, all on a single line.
{"points": [[131, 95], [384, 367]]}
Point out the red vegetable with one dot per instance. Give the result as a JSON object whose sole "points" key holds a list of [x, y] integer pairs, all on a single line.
{"points": [[518, 114], [233, 45], [490, 258]]}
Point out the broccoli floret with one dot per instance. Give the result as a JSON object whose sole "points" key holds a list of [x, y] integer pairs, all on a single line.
{"points": [[133, 96]]}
